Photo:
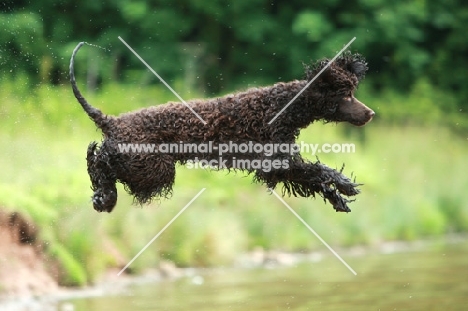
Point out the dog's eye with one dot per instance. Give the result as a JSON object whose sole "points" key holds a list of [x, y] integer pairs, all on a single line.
{"points": [[348, 98]]}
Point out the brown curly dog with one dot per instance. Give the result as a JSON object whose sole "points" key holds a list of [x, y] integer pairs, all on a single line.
{"points": [[240, 118]]}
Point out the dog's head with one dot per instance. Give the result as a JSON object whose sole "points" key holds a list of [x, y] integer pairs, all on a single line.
{"points": [[336, 85]]}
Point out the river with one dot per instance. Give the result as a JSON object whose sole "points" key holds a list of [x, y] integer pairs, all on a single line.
{"points": [[420, 276]]}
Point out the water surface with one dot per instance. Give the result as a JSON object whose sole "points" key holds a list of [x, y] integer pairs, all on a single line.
{"points": [[434, 277]]}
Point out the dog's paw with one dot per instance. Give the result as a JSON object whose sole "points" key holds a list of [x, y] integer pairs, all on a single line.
{"points": [[348, 188], [104, 202], [331, 193], [344, 184], [339, 203]]}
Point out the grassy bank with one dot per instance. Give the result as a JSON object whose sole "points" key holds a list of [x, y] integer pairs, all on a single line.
{"points": [[414, 180]]}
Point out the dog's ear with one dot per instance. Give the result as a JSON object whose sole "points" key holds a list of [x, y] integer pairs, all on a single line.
{"points": [[353, 63], [359, 68]]}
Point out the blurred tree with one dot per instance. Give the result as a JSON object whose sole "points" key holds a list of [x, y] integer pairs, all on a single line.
{"points": [[21, 41], [219, 45]]}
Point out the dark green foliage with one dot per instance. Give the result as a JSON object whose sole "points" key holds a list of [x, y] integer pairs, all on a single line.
{"points": [[217, 46]]}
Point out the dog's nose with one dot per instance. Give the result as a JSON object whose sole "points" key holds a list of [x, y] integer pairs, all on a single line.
{"points": [[371, 113]]}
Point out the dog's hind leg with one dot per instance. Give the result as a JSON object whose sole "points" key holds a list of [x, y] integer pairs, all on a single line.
{"points": [[103, 179]]}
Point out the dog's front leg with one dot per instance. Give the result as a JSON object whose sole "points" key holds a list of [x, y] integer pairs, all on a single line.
{"points": [[305, 179], [102, 180]]}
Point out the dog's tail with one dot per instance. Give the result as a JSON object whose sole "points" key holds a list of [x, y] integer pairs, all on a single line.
{"points": [[95, 114]]}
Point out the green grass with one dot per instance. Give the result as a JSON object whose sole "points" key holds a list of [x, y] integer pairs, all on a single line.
{"points": [[414, 183]]}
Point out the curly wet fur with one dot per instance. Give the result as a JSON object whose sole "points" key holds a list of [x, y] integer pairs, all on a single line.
{"points": [[242, 118]]}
